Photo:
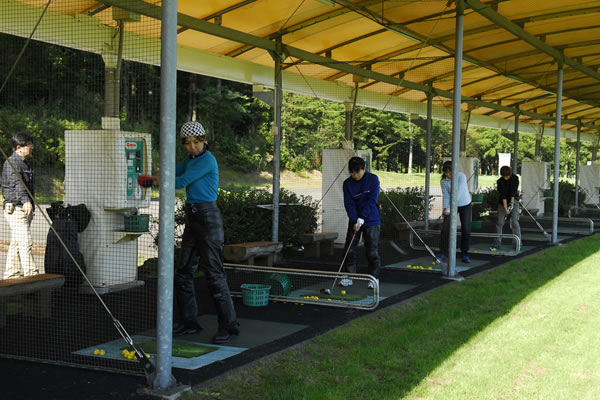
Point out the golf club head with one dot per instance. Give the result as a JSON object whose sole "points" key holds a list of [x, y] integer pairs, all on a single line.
{"points": [[147, 366], [325, 291], [548, 236], [444, 266], [397, 248]]}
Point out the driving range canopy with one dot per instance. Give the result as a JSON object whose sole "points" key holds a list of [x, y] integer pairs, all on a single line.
{"points": [[394, 52]]}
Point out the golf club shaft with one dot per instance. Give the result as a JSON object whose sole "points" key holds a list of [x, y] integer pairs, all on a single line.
{"points": [[535, 220], [344, 259], [412, 229]]}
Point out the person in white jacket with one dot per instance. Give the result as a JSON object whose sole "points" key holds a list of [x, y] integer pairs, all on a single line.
{"points": [[464, 212]]}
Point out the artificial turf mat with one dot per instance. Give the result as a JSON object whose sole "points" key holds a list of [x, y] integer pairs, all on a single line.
{"points": [[180, 349]]}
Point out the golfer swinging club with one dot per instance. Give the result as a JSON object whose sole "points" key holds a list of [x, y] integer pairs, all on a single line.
{"points": [[361, 193], [202, 243]]}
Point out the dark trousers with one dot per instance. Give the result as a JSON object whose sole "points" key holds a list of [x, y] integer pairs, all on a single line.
{"points": [[202, 245], [464, 213], [371, 235]]}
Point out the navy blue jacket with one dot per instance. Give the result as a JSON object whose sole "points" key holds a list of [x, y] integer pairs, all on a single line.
{"points": [[360, 199]]}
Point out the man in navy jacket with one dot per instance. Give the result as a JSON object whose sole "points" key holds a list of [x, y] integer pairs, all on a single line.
{"points": [[361, 193]]}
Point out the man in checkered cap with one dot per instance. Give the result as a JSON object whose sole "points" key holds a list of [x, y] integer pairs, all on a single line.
{"points": [[203, 237]]}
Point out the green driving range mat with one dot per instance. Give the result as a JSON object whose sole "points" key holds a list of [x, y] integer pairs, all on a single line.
{"points": [[180, 349]]}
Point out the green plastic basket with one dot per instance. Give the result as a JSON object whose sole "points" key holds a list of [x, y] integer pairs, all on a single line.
{"points": [[280, 284], [477, 197], [255, 295], [137, 223]]}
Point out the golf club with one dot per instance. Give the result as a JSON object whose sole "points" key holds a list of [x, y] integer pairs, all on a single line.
{"points": [[442, 264], [399, 249], [510, 208], [546, 234], [328, 291]]}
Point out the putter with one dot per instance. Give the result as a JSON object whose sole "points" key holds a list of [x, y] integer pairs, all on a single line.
{"points": [[546, 234], [328, 291]]}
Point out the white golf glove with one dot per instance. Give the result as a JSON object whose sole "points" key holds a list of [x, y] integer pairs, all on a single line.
{"points": [[360, 222], [446, 211]]}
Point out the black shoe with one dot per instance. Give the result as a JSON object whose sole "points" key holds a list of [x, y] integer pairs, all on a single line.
{"points": [[186, 330], [224, 334]]}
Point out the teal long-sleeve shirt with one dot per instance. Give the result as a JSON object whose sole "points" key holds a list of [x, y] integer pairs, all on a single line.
{"points": [[200, 178]]}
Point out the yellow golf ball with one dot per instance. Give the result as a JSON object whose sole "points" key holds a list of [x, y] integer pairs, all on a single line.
{"points": [[96, 352], [494, 249], [429, 268], [343, 292], [101, 352], [408, 266]]}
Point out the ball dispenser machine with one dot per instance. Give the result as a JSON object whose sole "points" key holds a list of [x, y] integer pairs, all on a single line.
{"points": [[102, 168]]}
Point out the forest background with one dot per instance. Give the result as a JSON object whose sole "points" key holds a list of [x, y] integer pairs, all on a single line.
{"points": [[54, 89]]}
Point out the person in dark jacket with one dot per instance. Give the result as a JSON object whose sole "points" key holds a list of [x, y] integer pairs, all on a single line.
{"points": [[361, 194], [18, 191], [508, 205], [203, 237]]}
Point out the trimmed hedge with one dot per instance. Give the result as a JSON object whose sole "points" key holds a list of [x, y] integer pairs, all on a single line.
{"points": [[409, 201], [244, 221]]}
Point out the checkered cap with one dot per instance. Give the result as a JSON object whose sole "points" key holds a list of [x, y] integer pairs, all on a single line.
{"points": [[192, 128]]}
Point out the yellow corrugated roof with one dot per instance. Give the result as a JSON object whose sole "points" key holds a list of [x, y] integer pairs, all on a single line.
{"points": [[402, 46]]}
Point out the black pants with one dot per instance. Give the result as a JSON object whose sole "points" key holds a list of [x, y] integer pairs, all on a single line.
{"points": [[202, 245], [464, 213], [371, 235]]}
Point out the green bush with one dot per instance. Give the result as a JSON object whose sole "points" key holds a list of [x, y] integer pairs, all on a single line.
{"points": [[489, 203], [243, 221], [409, 201]]}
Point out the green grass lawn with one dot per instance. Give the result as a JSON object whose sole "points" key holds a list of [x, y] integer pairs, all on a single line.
{"points": [[388, 179], [525, 330]]}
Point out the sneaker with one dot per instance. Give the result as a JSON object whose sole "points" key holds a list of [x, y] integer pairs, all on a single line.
{"points": [[346, 282], [186, 330], [466, 259], [371, 285]]}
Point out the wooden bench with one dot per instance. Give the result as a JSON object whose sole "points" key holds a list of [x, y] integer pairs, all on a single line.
{"points": [[252, 253], [42, 283], [315, 243]]}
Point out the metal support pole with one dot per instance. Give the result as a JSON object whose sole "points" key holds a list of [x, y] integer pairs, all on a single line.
{"points": [[166, 230], [277, 102], [348, 125], [456, 133], [559, 90], [428, 156], [516, 144], [577, 160]]}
